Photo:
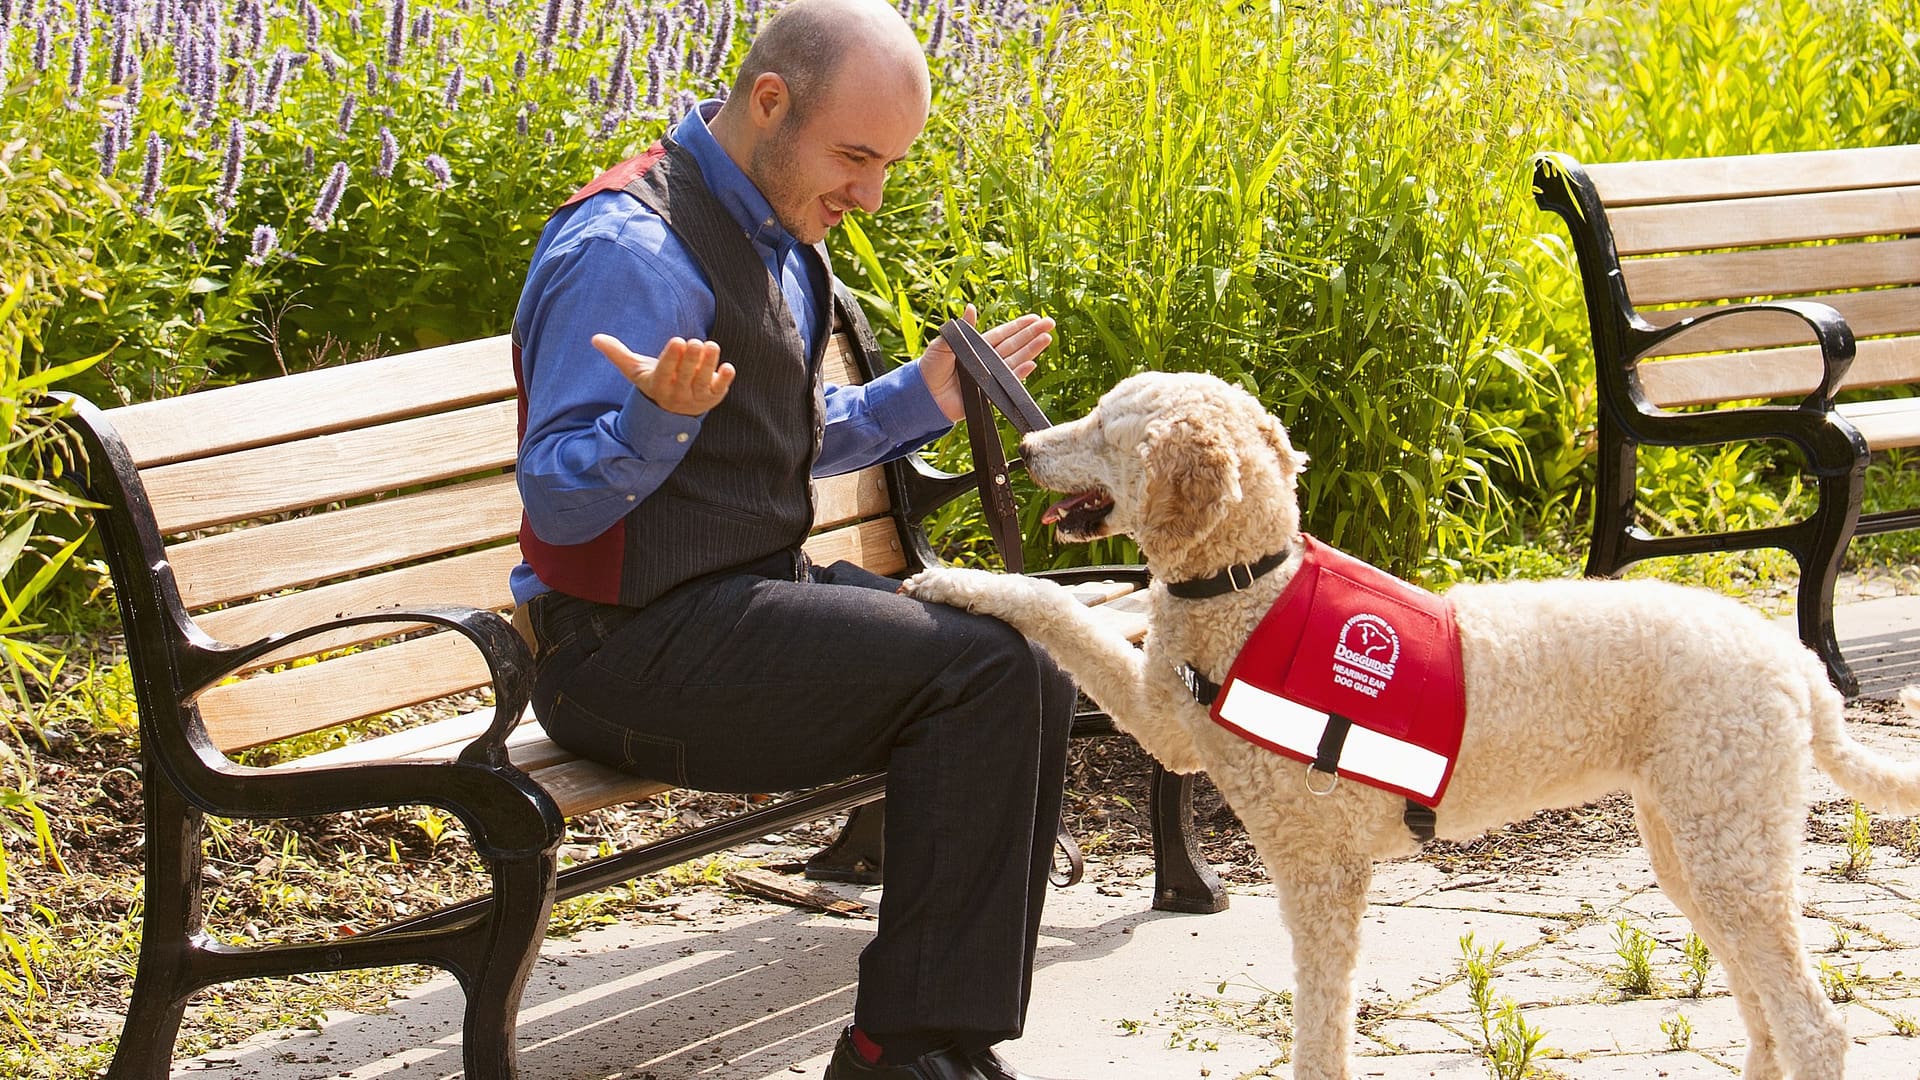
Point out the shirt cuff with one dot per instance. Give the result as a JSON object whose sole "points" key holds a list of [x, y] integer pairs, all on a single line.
{"points": [[901, 404], [654, 433]]}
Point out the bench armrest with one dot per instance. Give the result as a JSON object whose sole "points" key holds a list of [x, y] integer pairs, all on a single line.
{"points": [[509, 663], [1830, 332]]}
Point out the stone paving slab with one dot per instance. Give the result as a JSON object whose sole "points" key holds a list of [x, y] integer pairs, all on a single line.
{"points": [[745, 990], [758, 992]]}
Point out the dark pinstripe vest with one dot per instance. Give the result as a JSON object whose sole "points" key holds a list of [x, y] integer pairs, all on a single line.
{"points": [[742, 494]]}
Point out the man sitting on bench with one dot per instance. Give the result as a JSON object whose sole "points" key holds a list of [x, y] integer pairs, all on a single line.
{"points": [[668, 350]]}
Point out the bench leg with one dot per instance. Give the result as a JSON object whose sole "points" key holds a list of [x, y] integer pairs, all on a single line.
{"points": [[164, 979], [1832, 527], [1613, 501], [857, 856], [517, 924], [1182, 880]]}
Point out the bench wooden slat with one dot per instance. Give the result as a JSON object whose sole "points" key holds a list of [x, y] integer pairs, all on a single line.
{"points": [[849, 497], [1771, 272], [475, 579], [256, 562], [1778, 219], [269, 411], [1886, 425], [873, 544], [1772, 373], [276, 705], [580, 786], [1871, 314], [1639, 183], [331, 468], [286, 554]]}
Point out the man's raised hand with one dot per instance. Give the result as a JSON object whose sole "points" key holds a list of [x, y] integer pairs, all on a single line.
{"points": [[687, 377], [1018, 342]]}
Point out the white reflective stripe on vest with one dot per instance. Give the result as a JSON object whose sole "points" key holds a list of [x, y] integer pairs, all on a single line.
{"points": [[1367, 754]]}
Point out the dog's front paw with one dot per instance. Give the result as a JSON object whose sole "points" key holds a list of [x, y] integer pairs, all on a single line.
{"points": [[973, 590]]}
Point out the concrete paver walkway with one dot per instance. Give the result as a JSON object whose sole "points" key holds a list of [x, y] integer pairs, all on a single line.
{"points": [[745, 990]]}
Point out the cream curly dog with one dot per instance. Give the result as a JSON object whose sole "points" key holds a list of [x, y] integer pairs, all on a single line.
{"points": [[1696, 705]]}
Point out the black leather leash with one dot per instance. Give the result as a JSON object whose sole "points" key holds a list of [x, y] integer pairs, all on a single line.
{"points": [[987, 383]]}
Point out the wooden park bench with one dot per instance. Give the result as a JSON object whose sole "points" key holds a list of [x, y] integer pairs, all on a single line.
{"points": [[361, 520], [1765, 297]]}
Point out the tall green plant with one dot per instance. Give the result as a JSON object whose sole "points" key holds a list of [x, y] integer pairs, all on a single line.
{"points": [[1313, 205]]}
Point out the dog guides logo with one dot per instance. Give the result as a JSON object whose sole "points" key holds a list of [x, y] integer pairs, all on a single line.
{"points": [[1365, 655]]}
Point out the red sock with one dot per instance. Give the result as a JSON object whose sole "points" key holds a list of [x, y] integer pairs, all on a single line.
{"points": [[864, 1045]]}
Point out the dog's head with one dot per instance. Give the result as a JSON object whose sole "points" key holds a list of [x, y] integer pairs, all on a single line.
{"points": [[1191, 467]]}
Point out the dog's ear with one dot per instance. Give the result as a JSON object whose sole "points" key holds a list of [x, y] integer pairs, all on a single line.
{"points": [[1291, 461], [1193, 478]]}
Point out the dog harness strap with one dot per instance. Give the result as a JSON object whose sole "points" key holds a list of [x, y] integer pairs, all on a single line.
{"points": [[1232, 579], [1332, 739], [1203, 689]]}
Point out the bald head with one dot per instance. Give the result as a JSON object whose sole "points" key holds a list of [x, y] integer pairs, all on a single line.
{"points": [[809, 44]]}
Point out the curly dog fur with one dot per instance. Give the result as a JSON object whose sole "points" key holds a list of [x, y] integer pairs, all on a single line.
{"points": [[1698, 706]]}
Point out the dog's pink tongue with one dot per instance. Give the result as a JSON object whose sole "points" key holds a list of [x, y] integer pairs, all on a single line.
{"points": [[1067, 506]]}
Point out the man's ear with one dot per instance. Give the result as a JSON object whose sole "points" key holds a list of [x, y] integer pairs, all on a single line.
{"points": [[1193, 480], [768, 101]]}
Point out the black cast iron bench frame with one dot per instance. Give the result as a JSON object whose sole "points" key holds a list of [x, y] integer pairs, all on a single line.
{"points": [[511, 788]]}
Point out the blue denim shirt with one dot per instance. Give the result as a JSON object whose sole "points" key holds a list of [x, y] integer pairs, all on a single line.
{"points": [[594, 445]]}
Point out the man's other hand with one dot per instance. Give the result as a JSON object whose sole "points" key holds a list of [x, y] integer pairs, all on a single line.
{"points": [[687, 377], [1018, 343]]}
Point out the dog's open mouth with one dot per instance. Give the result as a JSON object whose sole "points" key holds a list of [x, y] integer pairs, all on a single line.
{"points": [[1079, 516]]}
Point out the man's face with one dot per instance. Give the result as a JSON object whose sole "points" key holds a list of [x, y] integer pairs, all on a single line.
{"points": [[836, 156]]}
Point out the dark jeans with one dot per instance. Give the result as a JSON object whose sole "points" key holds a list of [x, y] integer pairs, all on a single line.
{"points": [[749, 683]]}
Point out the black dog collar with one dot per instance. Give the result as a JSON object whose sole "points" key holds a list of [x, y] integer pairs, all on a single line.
{"points": [[1232, 579]]}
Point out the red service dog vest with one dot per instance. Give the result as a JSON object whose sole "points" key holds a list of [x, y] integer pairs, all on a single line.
{"points": [[1348, 649]]}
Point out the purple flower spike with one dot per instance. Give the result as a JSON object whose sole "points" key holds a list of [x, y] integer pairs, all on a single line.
{"points": [[373, 78], [593, 89], [150, 176], [722, 40], [109, 148], [265, 242], [329, 201], [230, 166], [550, 25], [77, 56], [396, 34], [310, 25], [939, 31], [683, 103], [442, 172], [347, 108], [519, 66], [276, 78], [42, 46], [456, 82], [389, 154]]}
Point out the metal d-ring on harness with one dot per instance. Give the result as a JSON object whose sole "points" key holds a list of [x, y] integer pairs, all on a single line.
{"points": [[1419, 819]]}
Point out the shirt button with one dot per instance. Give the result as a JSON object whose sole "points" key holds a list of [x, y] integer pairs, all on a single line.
{"points": [[680, 438], [633, 498]]}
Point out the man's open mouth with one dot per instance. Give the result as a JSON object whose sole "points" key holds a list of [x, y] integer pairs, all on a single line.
{"points": [[1079, 515]]}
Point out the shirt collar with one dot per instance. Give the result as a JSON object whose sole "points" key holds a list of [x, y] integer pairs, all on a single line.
{"points": [[737, 194]]}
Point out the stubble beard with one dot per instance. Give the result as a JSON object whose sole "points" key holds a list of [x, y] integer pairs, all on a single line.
{"points": [[772, 172]]}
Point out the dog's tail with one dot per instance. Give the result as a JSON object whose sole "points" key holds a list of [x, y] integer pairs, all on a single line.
{"points": [[1876, 780]]}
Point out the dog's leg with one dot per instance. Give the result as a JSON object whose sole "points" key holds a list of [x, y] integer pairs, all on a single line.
{"points": [[1763, 1061], [1323, 897], [1739, 868], [1154, 708]]}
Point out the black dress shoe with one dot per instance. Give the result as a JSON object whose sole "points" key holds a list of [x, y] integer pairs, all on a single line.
{"points": [[945, 1064], [992, 1066]]}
